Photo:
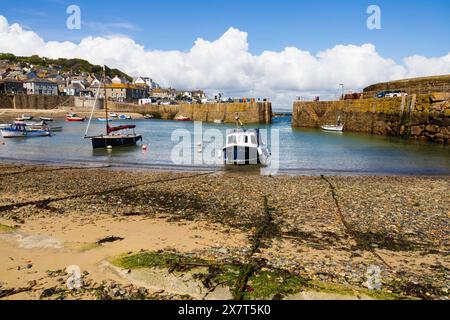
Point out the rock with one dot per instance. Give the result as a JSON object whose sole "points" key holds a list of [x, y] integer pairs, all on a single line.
{"points": [[432, 128], [143, 291], [223, 251], [416, 130]]}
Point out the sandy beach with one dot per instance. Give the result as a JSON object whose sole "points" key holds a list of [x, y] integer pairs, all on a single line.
{"points": [[205, 235]]}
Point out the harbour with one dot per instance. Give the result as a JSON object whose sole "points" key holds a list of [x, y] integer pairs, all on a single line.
{"points": [[303, 151]]}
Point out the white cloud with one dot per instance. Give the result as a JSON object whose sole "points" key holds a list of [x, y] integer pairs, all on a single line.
{"points": [[227, 66]]}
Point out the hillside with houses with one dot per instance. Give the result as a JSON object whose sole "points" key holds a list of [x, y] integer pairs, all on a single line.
{"points": [[75, 77]]}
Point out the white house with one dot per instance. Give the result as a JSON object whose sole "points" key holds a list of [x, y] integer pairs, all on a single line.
{"points": [[116, 80], [74, 89], [41, 87], [146, 81]]}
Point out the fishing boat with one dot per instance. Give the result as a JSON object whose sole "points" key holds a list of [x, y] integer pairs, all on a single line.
{"points": [[124, 117], [338, 127], [20, 130], [72, 117], [113, 115], [245, 147], [182, 118], [46, 119], [112, 136]]}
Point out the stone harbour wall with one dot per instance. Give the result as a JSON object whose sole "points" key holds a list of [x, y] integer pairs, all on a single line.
{"points": [[251, 112], [38, 102], [421, 117]]}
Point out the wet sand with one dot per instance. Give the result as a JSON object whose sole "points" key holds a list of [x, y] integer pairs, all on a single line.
{"points": [[329, 230]]}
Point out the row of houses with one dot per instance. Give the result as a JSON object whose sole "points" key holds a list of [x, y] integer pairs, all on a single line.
{"points": [[26, 79]]}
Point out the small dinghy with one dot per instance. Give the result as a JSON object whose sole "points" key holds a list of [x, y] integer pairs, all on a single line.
{"points": [[124, 117], [72, 117], [182, 118], [218, 121], [46, 119], [245, 147], [24, 118], [20, 130], [104, 120], [113, 115], [149, 116], [43, 125]]}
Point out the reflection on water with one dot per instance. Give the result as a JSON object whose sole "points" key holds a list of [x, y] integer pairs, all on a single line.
{"points": [[300, 151]]}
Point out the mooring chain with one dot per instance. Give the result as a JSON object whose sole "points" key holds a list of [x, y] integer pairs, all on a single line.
{"points": [[79, 195], [346, 225], [34, 170]]}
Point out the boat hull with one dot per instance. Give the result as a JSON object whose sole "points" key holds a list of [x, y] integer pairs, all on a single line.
{"points": [[333, 128], [114, 141], [24, 134], [241, 155], [74, 119]]}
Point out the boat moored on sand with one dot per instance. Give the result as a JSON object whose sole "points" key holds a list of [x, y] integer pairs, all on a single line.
{"points": [[245, 147], [24, 118]]}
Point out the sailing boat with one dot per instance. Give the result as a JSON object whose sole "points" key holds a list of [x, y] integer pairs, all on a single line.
{"points": [[338, 127], [112, 136]]}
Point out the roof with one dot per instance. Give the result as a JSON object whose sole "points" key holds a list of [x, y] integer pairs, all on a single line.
{"points": [[39, 80], [119, 86]]}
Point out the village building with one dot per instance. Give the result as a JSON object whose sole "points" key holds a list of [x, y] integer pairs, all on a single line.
{"points": [[41, 87], [121, 92], [161, 93], [11, 86], [74, 89], [145, 81]]}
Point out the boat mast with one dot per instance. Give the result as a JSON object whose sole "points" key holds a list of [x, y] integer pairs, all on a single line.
{"points": [[105, 103]]}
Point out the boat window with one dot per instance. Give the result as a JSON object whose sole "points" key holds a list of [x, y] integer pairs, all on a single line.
{"points": [[253, 139], [232, 139]]}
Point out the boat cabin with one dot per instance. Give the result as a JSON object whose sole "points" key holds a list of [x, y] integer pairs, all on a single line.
{"points": [[243, 138]]}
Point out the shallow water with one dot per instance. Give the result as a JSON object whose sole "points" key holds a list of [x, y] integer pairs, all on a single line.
{"points": [[300, 151]]}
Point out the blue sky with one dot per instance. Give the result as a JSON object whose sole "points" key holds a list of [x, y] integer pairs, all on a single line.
{"points": [[408, 27]]}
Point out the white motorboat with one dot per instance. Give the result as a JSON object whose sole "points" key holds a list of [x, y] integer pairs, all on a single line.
{"points": [[245, 147], [24, 118], [336, 128], [20, 130], [43, 126], [46, 119], [218, 121]]}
